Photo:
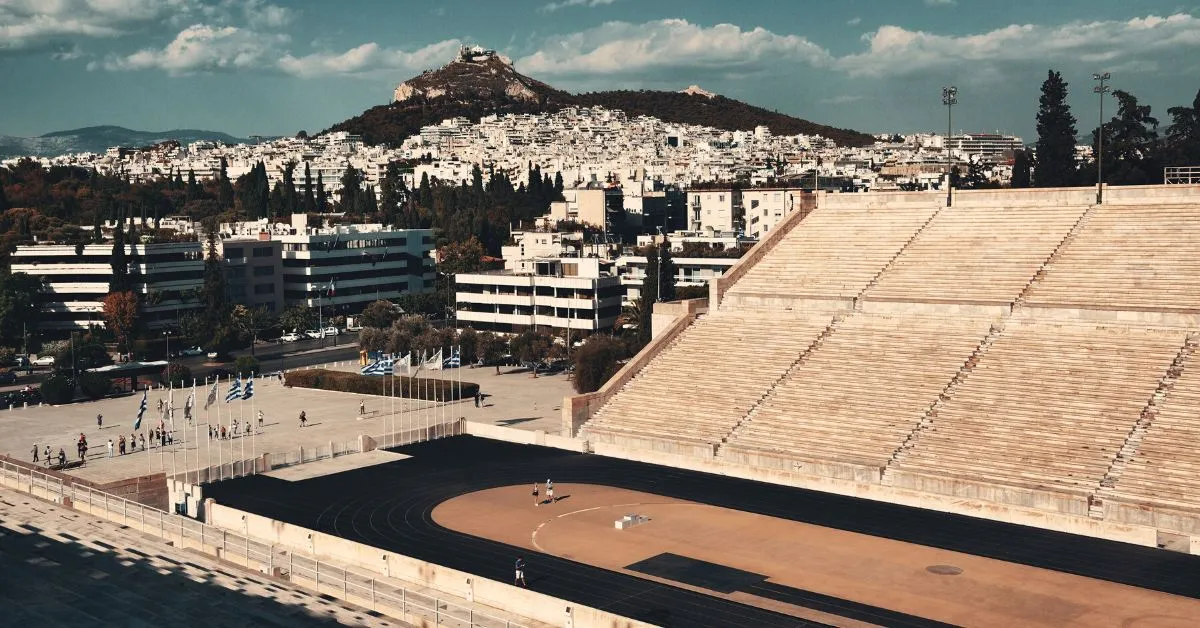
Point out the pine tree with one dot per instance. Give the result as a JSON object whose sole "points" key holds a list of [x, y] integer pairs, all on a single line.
{"points": [[278, 202], [1056, 136], [1130, 143], [425, 192], [308, 205], [193, 188], [291, 203], [351, 188], [666, 271], [224, 187], [119, 282], [391, 193], [1183, 136], [322, 198], [1020, 174], [649, 294]]}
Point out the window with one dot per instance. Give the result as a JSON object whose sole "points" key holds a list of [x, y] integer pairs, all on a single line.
{"points": [[721, 198], [234, 253], [262, 251], [264, 288], [264, 271]]}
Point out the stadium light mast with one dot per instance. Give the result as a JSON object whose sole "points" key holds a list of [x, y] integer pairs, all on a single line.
{"points": [[1100, 89], [949, 98]]}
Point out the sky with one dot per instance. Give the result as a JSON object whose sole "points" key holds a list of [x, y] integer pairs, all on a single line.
{"points": [[274, 67]]}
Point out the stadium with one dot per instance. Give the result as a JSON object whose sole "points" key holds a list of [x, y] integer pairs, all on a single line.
{"points": [[893, 411]]}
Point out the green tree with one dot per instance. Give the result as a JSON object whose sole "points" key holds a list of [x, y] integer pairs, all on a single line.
{"points": [[531, 346], [322, 201], [666, 271], [121, 316], [1020, 173], [351, 189], [1183, 136], [379, 314], [298, 318], [119, 261], [3, 198], [308, 204], [648, 296], [252, 321], [278, 205], [1130, 143], [18, 307], [596, 362], [214, 295], [58, 389], [391, 193], [246, 365], [224, 187], [291, 202], [88, 353], [1056, 136], [94, 385], [468, 342]]}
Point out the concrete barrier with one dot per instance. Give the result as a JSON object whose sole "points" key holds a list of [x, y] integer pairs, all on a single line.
{"points": [[523, 437], [532, 604]]}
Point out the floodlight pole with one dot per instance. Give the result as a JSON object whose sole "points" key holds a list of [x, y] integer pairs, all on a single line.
{"points": [[949, 98], [1100, 89]]}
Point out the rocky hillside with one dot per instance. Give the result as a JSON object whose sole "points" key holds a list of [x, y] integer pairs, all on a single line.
{"points": [[481, 82]]}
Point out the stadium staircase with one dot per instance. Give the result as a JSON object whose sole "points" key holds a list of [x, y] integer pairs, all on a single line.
{"points": [[892, 262], [927, 421], [1062, 245]]}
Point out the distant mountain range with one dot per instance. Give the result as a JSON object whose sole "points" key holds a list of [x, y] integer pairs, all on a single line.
{"points": [[481, 82], [97, 139]]}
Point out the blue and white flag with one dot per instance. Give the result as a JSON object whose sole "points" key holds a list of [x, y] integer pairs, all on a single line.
{"points": [[383, 366], [141, 410], [249, 392], [370, 368], [212, 395], [235, 390], [453, 361]]}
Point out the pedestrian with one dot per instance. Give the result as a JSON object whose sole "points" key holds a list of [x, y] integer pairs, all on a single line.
{"points": [[303, 418], [477, 398], [132, 442], [160, 405], [35, 452], [62, 457], [121, 445], [99, 421], [47, 457], [142, 440], [171, 437], [260, 419], [110, 448], [362, 407], [549, 491], [222, 432], [536, 501], [519, 578]]}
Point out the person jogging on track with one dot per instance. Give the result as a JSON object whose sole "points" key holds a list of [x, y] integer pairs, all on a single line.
{"points": [[520, 575], [536, 501], [549, 491]]}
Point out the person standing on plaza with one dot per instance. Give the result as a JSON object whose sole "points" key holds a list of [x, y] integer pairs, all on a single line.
{"points": [[62, 457], [362, 407], [303, 418], [35, 452], [47, 457], [142, 440], [110, 448], [260, 419], [99, 421]]}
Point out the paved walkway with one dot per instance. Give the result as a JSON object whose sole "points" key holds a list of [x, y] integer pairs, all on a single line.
{"points": [[65, 568], [515, 399]]}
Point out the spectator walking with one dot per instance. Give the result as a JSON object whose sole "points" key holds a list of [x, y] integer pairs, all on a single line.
{"points": [[121, 445], [478, 397], [35, 452], [99, 421], [303, 419], [142, 440], [362, 407], [536, 501], [110, 448], [62, 457], [260, 419], [519, 578], [549, 491]]}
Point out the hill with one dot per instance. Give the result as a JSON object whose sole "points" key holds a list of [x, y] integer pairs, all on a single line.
{"points": [[97, 139], [481, 82]]}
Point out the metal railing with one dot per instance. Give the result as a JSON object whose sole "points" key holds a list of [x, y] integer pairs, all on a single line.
{"points": [[1181, 175], [305, 570]]}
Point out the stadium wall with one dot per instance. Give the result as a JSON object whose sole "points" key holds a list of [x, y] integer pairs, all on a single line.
{"points": [[469, 586]]}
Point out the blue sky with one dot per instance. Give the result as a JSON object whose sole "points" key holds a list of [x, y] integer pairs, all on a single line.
{"points": [[274, 67]]}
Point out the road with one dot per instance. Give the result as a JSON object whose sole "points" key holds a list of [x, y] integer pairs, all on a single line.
{"points": [[272, 357]]}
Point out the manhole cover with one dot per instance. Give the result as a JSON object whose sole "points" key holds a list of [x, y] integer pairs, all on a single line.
{"points": [[943, 570]]}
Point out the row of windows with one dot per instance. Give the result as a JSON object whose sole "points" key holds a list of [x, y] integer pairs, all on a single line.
{"points": [[237, 252], [344, 260], [334, 244], [341, 293], [382, 273]]}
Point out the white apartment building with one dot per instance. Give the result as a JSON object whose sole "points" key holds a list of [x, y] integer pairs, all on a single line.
{"points": [[573, 293], [714, 210], [689, 271], [167, 277], [984, 144], [345, 267], [764, 208]]}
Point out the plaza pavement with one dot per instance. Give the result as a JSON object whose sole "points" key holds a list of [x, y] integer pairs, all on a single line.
{"points": [[513, 398]]}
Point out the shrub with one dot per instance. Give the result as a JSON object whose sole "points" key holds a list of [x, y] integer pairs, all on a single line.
{"points": [[94, 385], [410, 387], [246, 365], [597, 361], [178, 375], [8, 356], [58, 389]]}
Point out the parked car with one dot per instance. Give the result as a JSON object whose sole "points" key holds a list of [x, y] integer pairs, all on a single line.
{"points": [[289, 337], [44, 360], [192, 352], [7, 378], [314, 334], [331, 331]]}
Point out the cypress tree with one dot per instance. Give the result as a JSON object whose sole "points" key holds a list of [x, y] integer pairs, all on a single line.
{"points": [[322, 198], [666, 271], [1056, 136], [1020, 174]]}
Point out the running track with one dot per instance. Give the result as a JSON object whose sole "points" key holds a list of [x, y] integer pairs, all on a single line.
{"points": [[389, 506]]}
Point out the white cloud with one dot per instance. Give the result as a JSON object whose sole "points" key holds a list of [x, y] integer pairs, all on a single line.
{"points": [[940, 3], [369, 57], [31, 25], [896, 50], [854, 21], [204, 48], [554, 6], [625, 48], [260, 14]]}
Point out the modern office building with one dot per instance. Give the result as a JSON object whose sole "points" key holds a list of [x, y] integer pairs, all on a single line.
{"points": [[580, 294], [254, 271], [689, 271], [167, 277], [985, 144], [345, 267]]}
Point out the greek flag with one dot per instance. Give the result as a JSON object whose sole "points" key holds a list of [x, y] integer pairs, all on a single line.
{"points": [[249, 392], [141, 410], [379, 367], [235, 390], [212, 396]]}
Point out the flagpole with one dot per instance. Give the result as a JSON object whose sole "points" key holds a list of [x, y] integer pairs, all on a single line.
{"points": [[254, 434], [242, 435], [142, 411], [171, 417], [207, 424], [196, 425], [220, 447]]}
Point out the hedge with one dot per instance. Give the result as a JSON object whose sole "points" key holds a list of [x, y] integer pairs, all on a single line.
{"points": [[410, 387], [95, 385], [58, 389]]}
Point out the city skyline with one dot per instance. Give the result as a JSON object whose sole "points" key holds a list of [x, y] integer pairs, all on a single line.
{"points": [[255, 67]]}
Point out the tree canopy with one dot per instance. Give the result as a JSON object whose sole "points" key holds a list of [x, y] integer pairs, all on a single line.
{"points": [[1056, 135]]}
